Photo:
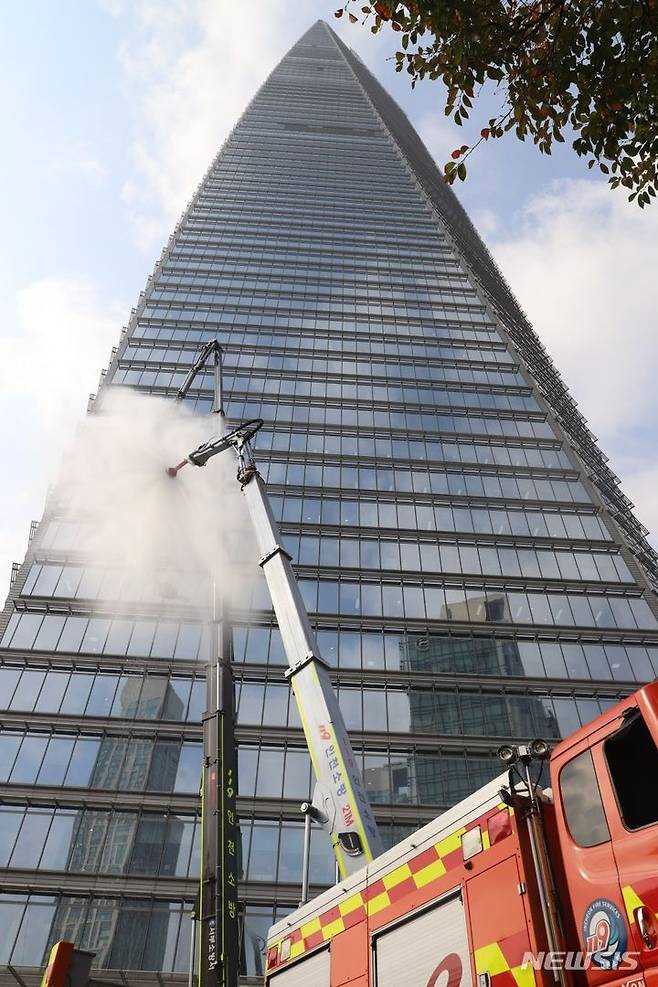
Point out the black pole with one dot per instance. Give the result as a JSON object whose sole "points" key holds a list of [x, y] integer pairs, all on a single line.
{"points": [[219, 953]]}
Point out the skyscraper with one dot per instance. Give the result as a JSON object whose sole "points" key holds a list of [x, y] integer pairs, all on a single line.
{"points": [[473, 570]]}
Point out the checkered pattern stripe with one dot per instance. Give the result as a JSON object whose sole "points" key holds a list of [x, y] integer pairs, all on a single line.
{"points": [[503, 962], [420, 871]]}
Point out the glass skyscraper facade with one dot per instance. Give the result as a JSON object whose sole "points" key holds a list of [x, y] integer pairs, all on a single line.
{"points": [[471, 566]]}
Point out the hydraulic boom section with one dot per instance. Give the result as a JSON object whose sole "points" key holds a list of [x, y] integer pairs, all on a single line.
{"points": [[340, 797]]}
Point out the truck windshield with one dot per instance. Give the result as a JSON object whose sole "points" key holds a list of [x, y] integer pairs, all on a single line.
{"points": [[632, 759]]}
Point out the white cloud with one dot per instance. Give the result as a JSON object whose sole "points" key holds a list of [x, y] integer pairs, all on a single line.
{"points": [[79, 156], [190, 67], [50, 360], [584, 268]]}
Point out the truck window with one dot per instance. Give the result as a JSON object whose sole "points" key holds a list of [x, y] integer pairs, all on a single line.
{"points": [[632, 759], [582, 802]]}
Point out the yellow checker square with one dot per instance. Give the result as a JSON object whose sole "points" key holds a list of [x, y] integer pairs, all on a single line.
{"points": [[396, 876], [351, 905], [632, 901], [524, 976], [297, 949], [378, 903], [450, 843], [490, 959], [430, 873], [333, 928], [310, 928]]}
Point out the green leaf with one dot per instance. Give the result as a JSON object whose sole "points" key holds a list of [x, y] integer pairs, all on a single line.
{"points": [[461, 171]]}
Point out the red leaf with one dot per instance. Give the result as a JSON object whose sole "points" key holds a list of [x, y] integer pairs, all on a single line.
{"points": [[339, 13], [485, 133], [382, 11], [396, 26], [456, 154], [353, 18]]}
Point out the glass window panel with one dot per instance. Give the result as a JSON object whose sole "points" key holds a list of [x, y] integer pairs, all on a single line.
{"points": [[68, 582], [47, 580], [28, 689], [270, 768], [11, 916], [126, 703], [142, 638], [373, 650], [247, 767], [83, 761], [164, 641], [52, 692], [297, 777], [291, 852], [250, 709], [58, 844], [56, 761], [26, 630], [9, 745], [72, 635], [116, 845], [567, 715], [399, 716], [148, 846], [31, 838], [177, 697], [34, 932], [49, 632], [102, 695], [137, 764], [28, 762], [95, 635], [276, 705], [188, 643], [177, 846], [374, 709], [118, 637], [263, 852], [10, 823], [188, 776], [77, 693], [321, 862]]}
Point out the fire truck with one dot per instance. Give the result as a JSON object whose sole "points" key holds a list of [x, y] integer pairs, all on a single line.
{"points": [[547, 875], [518, 885]]}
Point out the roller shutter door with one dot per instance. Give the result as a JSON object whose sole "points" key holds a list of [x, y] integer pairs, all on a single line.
{"points": [[430, 949], [311, 972]]}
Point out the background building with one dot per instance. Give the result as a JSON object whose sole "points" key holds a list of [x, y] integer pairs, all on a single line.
{"points": [[472, 568]]}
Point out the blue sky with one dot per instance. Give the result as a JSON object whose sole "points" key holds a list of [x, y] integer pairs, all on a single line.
{"points": [[113, 110]]}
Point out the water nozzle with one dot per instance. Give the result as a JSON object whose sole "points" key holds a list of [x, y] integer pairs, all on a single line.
{"points": [[173, 470]]}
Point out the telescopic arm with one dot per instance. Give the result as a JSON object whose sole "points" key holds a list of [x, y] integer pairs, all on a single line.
{"points": [[340, 794]]}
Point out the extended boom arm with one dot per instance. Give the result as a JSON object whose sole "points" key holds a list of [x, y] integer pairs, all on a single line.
{"points": [[340, 797]]}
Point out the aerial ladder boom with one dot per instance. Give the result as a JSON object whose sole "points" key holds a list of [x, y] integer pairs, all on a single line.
{"points": [[340, 801]]}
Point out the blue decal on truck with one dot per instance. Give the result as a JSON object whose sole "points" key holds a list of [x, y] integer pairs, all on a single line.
{"points": [[604, 933]]}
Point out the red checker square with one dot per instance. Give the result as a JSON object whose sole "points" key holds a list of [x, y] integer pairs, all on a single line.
{"points": [[295, 935], [354, 917], [504, 979], [429, 856], [452, 859], [315, 939], [513, 947], [373, 890], [330, 916], [402, 890]]}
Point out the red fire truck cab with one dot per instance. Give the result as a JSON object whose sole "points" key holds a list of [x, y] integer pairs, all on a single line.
{"points": [[516, 886]]}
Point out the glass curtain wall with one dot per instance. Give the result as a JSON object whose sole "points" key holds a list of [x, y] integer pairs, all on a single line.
{"points": [[471, 577]]}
